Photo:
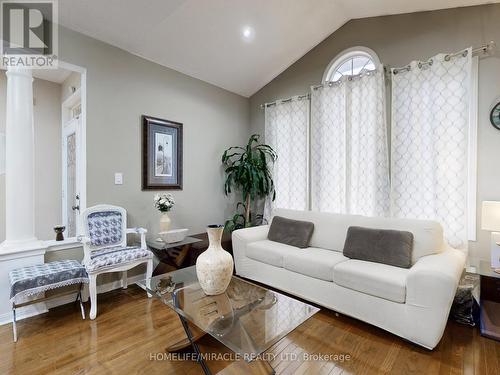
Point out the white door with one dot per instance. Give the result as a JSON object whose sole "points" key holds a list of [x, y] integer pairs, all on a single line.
{"points": [[70, 176]]}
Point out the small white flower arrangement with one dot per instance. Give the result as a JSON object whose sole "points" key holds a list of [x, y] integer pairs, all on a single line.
{"points": [[164, 202]]}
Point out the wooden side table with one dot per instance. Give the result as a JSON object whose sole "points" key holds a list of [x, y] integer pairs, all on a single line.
{"points": [[490, 301], [171, 256], [183, 254]]}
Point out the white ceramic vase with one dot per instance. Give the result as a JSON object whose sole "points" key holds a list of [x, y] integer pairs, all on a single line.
{"points": [[214, 267], [165, 222]]}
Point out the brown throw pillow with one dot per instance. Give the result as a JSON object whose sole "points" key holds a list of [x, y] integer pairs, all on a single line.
{"points": [[291, 232], [390, 247]]}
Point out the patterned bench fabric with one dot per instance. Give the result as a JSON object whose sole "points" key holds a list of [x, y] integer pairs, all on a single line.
{"points": [[105, 228], [112, 256], [28, 281]]}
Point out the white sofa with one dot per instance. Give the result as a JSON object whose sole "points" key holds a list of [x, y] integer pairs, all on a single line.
{"points": [[412, 303]]}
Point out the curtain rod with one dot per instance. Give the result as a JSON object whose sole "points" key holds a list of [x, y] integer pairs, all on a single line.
{"points": [[349, 78], [296, 97], [484, 49]]}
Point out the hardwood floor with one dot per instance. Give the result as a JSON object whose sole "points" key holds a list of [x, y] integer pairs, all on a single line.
{"points": [[131, 329]]}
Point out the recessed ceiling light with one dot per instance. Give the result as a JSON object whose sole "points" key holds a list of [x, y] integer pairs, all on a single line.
{"points": [[248, 33]]}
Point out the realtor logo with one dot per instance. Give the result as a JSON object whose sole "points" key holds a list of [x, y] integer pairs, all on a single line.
{"points": [[29, 34]]}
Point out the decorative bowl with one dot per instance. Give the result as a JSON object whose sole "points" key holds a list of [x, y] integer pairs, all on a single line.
{"points": [[174, 235]]}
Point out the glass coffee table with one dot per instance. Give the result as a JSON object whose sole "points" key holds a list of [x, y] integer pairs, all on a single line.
{"points": [[247, 318]]}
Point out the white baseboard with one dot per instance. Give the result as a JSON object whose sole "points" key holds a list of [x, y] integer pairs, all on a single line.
{"points": [[41, 308], [23, 313]]}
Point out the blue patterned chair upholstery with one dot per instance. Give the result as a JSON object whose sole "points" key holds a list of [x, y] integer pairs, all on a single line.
{"points": [[105, 247]]}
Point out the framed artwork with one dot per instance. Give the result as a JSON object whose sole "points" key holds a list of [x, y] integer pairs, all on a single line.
{"points": [[161, 154]]}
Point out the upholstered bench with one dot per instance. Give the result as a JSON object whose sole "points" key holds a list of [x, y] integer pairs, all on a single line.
{"points": [[33, 280]]}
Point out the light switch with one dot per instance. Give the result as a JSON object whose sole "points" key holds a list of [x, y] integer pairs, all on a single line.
{"points": [[118, 178]]}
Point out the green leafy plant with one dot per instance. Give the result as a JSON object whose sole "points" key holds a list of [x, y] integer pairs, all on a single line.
{"points": [[248, 170]]}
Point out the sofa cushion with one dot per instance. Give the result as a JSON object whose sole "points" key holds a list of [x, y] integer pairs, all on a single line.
{"points": [[291, 232], [269, 252], [114, 256], [392, 247], [428, 236], [376, 279], [314, 262]]}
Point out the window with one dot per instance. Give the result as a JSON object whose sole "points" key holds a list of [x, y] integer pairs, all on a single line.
{"points": [[433, 144], [351, 62], [287, 129], [349, 152], [333, 154]]}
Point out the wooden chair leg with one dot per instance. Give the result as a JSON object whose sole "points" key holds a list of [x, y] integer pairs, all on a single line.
{"points": [[124, 280], [93, 296]]}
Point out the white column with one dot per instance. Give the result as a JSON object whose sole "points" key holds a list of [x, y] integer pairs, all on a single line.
{"points": [[19, 163], [21, 247]]}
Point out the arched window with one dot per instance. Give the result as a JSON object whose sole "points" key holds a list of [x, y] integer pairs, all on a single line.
{"points": [[349, 158], [351, 62]]}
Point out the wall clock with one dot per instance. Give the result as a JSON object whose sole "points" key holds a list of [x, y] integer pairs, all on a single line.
{"points": [[495, 116]]}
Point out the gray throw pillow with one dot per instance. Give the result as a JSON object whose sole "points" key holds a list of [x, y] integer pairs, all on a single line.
{"points": [[291, 232], [390, 247]]}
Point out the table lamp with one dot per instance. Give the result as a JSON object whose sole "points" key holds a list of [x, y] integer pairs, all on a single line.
{"points": [[491, 222]]}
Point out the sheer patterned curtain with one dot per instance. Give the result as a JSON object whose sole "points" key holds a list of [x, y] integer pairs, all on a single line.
{"points": [[430, 125], [286, 132], [349, 151]]}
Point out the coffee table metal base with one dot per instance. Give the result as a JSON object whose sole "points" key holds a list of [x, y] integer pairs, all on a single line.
{"points": [[194, 345], [192, 341]]}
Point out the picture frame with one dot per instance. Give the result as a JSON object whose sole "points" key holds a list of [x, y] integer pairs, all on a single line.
{"points": [[161, 154]]}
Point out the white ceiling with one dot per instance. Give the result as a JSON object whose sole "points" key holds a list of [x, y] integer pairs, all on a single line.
{"points": [[58, 75], [203, 38]]}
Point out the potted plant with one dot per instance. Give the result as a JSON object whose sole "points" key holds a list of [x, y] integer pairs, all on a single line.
{"points": [[164, 203], [247, 169]]}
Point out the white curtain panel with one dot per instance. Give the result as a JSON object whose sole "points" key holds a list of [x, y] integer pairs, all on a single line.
{"points": [[2, 153], [349, 151], [430, 124], [286, 131]]}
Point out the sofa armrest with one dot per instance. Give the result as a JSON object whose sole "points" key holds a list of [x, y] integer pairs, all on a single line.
{"points": [[242, 237], [433, 279], [251, 234]]}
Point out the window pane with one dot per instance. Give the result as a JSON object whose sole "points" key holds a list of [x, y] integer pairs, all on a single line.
{"points": [[358, 63], [336, 76], [370, 66], [351, 66], [71, 183], [345, 68]]}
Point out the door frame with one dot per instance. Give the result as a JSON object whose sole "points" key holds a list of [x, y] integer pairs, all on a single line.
{"points": [[81, 147], [73, 126]]}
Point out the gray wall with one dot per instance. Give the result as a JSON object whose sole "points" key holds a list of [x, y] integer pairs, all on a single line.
{"points": [[120, 88], [397, 40], [48, 175], [47, 125]]}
